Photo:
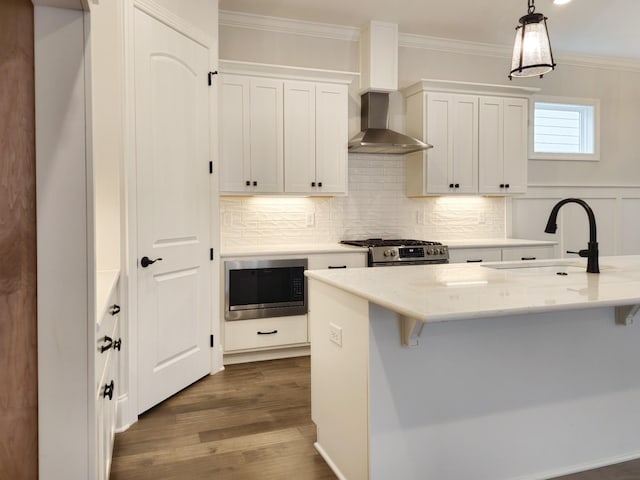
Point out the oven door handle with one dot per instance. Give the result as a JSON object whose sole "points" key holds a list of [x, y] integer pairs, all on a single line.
{"points": [[273, 332]]}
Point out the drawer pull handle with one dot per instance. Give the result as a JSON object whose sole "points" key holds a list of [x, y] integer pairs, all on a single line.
{"points": [[117, 345], [114, 310], [474, 261], [108, 390], [273, 332], [108, 343], [339, 266], [527, 258]]}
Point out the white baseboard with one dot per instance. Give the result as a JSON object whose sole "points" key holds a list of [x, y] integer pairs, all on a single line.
{"points": [[334, 468], [259, 356]]}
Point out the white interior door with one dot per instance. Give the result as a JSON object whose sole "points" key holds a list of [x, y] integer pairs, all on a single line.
{"points": [[172, 155]]}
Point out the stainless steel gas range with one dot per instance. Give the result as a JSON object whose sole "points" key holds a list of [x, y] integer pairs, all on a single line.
{"points": [[387, 253]]}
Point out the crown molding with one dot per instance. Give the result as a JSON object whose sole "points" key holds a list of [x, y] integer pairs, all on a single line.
{"points": [[407, 40], [287, 25]]}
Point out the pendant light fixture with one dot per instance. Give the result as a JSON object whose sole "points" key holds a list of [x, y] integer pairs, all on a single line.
{"points": [[532, 50]]}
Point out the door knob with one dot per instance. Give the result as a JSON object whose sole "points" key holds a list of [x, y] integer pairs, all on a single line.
{"points": [[146, 261]]}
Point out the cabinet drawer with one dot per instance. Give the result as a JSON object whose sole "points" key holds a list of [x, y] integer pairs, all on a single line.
{"points": [[265, 333], [527, 253], [323, 261], [472, 255]]}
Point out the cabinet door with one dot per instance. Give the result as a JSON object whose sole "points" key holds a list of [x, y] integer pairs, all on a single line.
{"points": [[503, 145], [491, 174], [515, 144], [439, 171], [332, 137], [266, 136], [299, 137], [464, 152], [474, 255], [528, 253], [234, 125]]}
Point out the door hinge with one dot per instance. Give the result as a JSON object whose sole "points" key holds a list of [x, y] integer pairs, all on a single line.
{"points": [[210, 167], [210, 76], [211, 254], [211, 341]]}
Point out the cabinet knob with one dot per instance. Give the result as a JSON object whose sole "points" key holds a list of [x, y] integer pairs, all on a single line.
{"points": [[247, 183], [502, 185], [506, 185], [117, 345], [114, 310], [451, 185], [108, 390], [319, 184], [255, 183], [457, 185], [313, 184]]}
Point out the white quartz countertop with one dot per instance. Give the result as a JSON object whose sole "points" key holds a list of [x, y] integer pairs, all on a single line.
{"points": [[496, 243], [290, 249], [293, 249], [436, 293]]}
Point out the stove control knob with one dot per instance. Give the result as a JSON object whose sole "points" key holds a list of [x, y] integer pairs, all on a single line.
{"points": [[388, 253], [442, 251], [431, 251]]}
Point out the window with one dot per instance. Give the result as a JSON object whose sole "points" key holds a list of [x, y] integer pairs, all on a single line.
{"points": [[564, 129]]}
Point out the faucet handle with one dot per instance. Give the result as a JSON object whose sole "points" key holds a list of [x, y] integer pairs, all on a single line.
{"points": [[581, 253]]}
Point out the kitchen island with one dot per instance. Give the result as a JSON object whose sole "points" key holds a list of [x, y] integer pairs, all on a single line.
{"points": [[493, 371]]}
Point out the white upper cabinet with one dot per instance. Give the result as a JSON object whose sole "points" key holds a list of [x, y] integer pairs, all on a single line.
{"points": [[251, 142], [503, 145], [316, 138], [479, 142], [450, 123], [280, 133]]}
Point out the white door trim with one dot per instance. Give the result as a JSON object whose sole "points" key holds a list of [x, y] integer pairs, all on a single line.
{"points": [[130, 267]]}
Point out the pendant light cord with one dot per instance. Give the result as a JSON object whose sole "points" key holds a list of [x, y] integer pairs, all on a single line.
{"points": [[532, 7]]}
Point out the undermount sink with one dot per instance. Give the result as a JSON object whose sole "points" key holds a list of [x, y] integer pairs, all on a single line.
{"points": [[529, 267]]}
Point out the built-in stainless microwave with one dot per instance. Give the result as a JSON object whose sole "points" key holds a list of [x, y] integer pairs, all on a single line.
{"points": [[265, 288]]}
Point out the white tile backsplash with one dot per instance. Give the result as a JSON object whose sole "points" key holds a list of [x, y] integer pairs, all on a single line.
{"points": [[375, 207]]}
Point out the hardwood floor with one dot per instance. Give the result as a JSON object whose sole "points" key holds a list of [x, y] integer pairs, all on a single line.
{"points": [[252, 421]]}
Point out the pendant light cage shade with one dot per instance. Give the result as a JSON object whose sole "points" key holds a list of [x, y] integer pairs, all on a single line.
{"points": [[532, 54]]}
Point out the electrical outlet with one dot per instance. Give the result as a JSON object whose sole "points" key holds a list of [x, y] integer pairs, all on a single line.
{"points": [[311, 219], [335, 334]]}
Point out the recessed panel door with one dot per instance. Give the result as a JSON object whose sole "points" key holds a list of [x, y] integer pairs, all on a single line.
{"points": [[172, 155]]}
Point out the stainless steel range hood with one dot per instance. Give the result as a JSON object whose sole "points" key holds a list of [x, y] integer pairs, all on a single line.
{"points": [[375, 137]]}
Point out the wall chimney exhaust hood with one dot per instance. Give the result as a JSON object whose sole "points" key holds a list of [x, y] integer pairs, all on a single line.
{"points": [[378, 77], [375, 137]]}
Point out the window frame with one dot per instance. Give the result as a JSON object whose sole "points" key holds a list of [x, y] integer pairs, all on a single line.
{"points": [[588, 157]]}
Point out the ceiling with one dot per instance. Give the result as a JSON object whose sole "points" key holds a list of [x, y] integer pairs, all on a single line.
{"points": [[602, 28]]}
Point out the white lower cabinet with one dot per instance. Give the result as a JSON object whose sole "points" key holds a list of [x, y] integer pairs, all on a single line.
{"points": [[322, 261], [528, 253], [474, 255], [495, 254], [107, 353], [265, 333]]}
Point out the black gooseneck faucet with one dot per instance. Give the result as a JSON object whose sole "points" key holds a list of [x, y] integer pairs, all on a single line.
{"points": [[592, 249]]}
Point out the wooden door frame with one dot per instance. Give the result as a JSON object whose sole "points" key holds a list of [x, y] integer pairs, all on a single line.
{"points": [[129, 404]]}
